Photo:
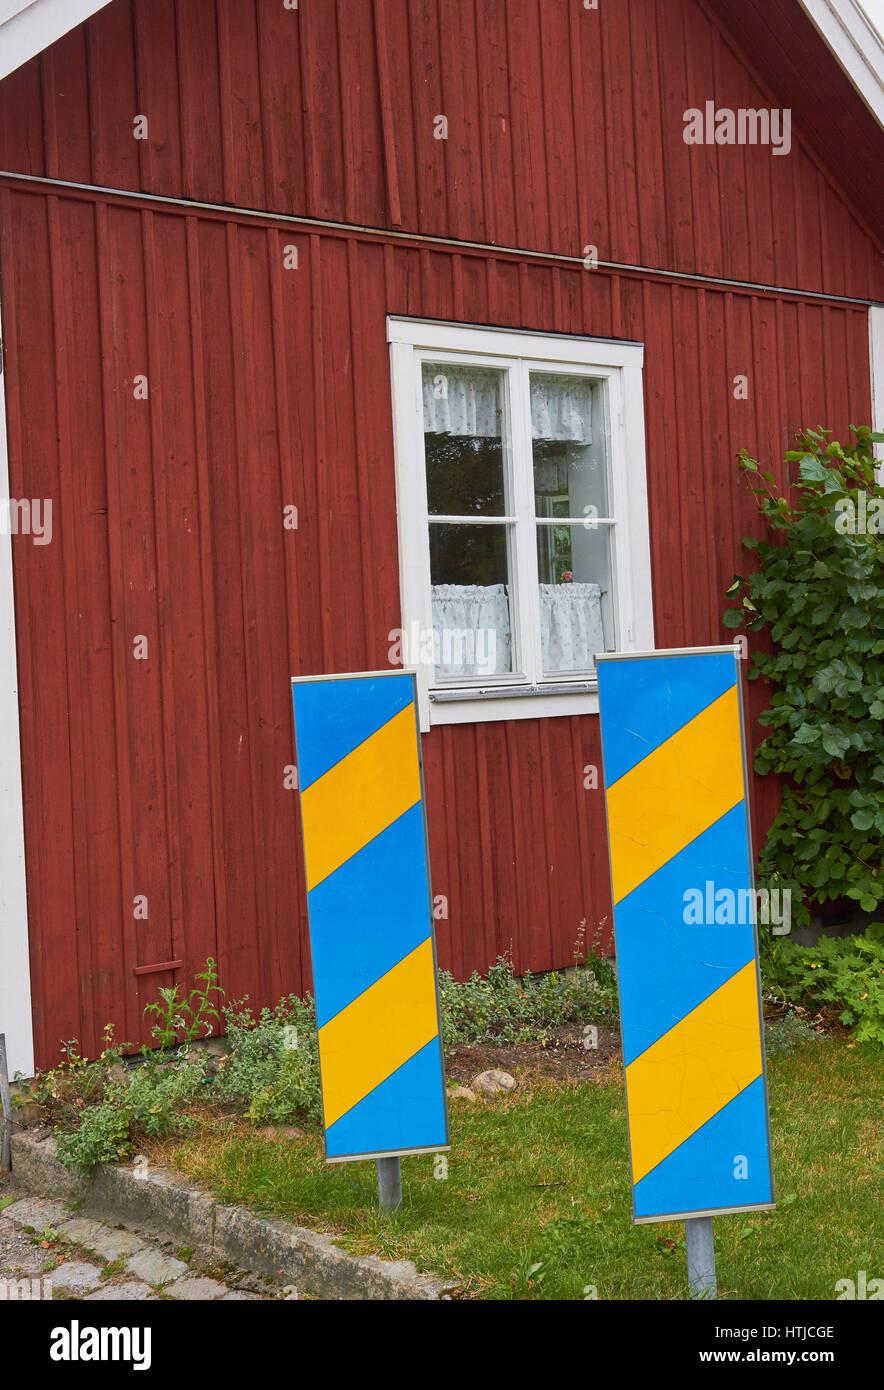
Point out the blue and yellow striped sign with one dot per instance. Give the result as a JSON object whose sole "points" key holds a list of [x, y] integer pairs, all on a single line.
{"points": [[371, 919], [684, 924]]}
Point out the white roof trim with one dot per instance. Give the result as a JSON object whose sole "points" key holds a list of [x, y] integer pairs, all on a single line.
{"points": [[29, 26], [856, 44]]}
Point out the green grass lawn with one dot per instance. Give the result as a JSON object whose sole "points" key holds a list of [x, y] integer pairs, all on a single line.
{"points": [[492, 1219]]}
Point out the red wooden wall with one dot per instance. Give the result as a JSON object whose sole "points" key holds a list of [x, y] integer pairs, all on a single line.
{"points": [[270, 387]]}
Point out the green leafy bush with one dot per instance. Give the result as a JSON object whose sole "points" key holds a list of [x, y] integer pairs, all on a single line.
{"points": [[499, 1008], [790, 1031], [63, 1092], [844, 977], [182, 1021], [142, 1104], [102, 1108], [273, 1061], [819, 594]]}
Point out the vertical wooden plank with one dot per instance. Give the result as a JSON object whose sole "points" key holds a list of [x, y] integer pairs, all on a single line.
{"points": [[373, 417], [426, 90], [22, 121], [113, 99], [706, 161], [241, 129], [364, 193], [620, 135], [42, 646], [677, 155], [131, 882], [461, 84], [385, 92], [649, 138], [282, 107], [65, 86], [167, 593], [158, 86], [218, 928], [321, 95], [199, 100], [498, 179], [526, 116]]}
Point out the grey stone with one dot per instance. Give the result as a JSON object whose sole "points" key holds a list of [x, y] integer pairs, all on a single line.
{"points": [[37, 1169], [154, 1267], [82, 1231], [308, 1261], [113, 1245], [195, 1290], [239, 1296], [492, 1083], [158, 1198], [462, 1093], [36, 1212], [75, 1276], [312, 1262], [131, 1292]]}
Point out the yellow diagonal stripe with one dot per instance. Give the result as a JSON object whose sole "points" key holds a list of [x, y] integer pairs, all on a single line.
{"points": [[366, 1042], [675, 793], [360, 796], [700, 1065]]}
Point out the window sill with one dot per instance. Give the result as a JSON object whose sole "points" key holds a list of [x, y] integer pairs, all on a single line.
{"points": [[479, 705]]}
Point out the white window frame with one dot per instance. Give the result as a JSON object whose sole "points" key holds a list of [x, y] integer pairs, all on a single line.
{"points": [[414, 341]]}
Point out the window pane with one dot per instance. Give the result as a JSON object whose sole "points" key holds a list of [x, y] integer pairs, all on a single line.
{"points": [[576, 599], [464, 440], [568, 440], [472, 626]]}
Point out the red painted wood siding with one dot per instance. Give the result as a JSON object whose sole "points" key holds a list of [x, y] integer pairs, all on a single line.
{"points": [[565, 126], [270, 387]]}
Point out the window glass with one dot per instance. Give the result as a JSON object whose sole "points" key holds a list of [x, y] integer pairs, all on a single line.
{"points": [[463, 434], [471, 561], [568, 445], [576, 610]]}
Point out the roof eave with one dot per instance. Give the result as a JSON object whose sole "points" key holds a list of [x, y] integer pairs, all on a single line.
{"points": [[856, 44], [27, 27]]}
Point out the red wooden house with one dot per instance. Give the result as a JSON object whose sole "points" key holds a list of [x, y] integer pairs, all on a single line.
{"points": [[345, 332]]}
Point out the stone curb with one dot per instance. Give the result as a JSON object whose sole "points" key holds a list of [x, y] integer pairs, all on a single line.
{"points": [[264, 1245]]}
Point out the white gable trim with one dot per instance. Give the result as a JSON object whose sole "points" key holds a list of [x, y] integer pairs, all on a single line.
{"points": [[29, 26], [856, 44]]}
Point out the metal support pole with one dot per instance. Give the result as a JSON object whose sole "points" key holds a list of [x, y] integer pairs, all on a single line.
{"points": [[6, 1104], [700, 1244], [390, 1183]]}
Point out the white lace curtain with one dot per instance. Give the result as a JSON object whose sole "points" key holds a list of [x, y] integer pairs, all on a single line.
{"points": [[471, 628], [561, 408], [473, 634], [462, 401], [570, 626], [466, 401]]}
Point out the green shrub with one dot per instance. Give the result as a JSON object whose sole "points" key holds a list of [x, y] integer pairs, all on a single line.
{"points": [[273, 1061], [844, 977], [498, 1008], [102, 1108], [792, 1030], [819, 594], [143, 1104], [64, 1091]]}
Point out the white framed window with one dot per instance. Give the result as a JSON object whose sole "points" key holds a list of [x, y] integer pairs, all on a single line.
{"points": [[523, 516]]}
